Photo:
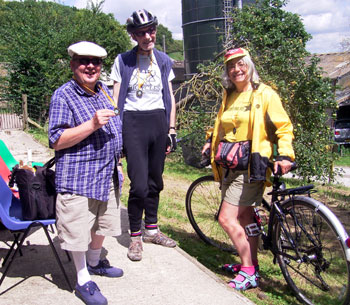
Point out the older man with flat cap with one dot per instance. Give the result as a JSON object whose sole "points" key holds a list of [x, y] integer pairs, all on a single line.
{"points": [[85, 131]]}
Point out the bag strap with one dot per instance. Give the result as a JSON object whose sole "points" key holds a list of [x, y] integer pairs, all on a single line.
{"points": [[50, 163], [13, 175]]}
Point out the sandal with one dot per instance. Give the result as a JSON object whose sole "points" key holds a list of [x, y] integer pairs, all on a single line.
{"points": [[235, 268], [250, 281], [231, 268]]}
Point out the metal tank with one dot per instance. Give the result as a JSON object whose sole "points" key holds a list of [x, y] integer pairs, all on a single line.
{"points": [[205, 28]]}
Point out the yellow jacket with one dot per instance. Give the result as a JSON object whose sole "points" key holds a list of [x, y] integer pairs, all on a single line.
{"points": [[270, 125]]}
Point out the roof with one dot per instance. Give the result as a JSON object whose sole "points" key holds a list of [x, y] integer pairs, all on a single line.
{"points": [[334, 65]]}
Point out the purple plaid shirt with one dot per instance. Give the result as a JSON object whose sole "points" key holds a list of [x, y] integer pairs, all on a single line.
{"points": [[86, 168]]}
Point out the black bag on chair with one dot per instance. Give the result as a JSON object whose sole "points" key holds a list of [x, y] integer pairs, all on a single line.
{"points": [[36, 190]]}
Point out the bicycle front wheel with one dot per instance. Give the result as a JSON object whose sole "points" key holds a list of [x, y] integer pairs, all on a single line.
{"points": [[310, 253], [203, 201]]}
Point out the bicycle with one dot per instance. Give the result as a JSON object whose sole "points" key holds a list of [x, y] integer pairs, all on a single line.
{"points": [[307, 240]]}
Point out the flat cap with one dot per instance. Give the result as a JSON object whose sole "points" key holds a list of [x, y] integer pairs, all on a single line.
{"points": [[86, 48]]}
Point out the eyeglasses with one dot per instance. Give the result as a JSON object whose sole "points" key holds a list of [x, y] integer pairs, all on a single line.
{"points": [[150, 31], [86, 61], [240, 65]]}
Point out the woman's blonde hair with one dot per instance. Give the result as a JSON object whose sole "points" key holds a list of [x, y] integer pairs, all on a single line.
{"points": [[252, 73]]}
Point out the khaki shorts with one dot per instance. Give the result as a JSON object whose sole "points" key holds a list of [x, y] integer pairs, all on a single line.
{"points": [[236, 189], [78, 215]]}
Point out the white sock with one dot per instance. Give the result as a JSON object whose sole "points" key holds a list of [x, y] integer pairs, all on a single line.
{"points": [[79, 260], [151, 232], [93, 256]]}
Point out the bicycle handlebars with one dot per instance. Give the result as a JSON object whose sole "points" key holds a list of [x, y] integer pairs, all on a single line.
{"points": [[279, 173]]}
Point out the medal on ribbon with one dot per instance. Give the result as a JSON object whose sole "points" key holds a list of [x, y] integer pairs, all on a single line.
{"points": [[140, 82], [139, 93]]}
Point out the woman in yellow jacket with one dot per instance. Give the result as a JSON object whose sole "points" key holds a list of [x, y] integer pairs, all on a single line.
{"points": [[250, 111]]}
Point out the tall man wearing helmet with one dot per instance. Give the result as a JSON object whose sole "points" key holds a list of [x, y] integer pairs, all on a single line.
{"points": [[142, 88]]}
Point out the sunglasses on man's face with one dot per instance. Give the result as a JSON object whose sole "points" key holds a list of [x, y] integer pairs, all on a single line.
{"points": [[150, 31], [86, 61]]}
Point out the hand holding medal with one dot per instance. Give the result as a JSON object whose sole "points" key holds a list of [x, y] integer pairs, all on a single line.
{"points": [[101, 117]]}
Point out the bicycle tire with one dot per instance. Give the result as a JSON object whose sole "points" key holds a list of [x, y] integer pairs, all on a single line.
{"points": [[322, 276], [203, 200]]}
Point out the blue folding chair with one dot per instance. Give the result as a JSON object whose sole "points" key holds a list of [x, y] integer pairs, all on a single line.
{"points": [[11, 218]]}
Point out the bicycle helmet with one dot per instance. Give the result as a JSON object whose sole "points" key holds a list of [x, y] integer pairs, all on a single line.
{"points": [[140, 19]]}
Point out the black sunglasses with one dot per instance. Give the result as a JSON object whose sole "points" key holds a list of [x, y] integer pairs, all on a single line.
{"points": [[86, 61], [150, 31]]}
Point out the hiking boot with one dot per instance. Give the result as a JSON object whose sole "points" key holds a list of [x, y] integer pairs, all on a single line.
{"points": [[159, 239], [90, 294], [103, 268], [135, 249]]}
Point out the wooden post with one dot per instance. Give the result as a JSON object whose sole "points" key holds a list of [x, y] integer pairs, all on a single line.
{"points": [[25, 111]]}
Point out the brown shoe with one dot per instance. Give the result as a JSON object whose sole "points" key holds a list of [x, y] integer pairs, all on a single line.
{"points": [[159, 239], [135, 249]]}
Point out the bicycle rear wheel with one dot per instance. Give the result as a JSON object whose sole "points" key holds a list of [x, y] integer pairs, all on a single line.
{"points": [[203, 200], [315, 267]]}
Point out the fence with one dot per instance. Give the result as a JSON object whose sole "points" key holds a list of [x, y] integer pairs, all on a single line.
{"points": [[9, 119], [12, 118]]}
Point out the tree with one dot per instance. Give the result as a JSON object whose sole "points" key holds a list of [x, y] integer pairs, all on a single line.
{"points": [[171, 45], [163, 35], [276, 40], [96, 8], [345, 44], [34, 37]]}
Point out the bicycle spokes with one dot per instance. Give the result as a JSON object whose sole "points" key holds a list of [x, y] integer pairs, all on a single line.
{"points": [[310, 255]]}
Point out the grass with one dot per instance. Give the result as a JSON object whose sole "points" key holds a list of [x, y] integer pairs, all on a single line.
{"points": [[40, 135], [176, 56], [344, 159]]}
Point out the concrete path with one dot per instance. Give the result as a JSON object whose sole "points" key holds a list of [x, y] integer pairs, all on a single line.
{"points": [[342, 179], [164, 276]]}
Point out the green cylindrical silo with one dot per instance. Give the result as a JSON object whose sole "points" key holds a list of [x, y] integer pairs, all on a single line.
{"points": [[204, 27]]}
